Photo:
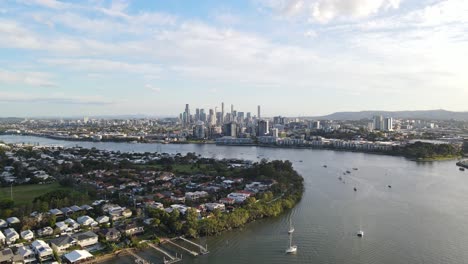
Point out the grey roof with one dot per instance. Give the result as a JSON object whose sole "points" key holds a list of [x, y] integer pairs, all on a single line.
{"points": [[76, 208], [6, 255], [84, 235], [62, 240]]}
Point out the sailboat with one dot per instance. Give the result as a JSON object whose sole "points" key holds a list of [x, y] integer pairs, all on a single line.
{"points": [[292, 249]]}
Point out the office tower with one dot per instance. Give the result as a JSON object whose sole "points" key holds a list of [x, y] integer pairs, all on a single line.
{"points": [[197, 114], [230, 129], [262, 128], [222, 113], [232, 109], [219, 118], [378, 122], [388, 124], [249, 115], [202, 115], [187, 115], [212, 118], [316, 125], [199, 130], [258, 113]]}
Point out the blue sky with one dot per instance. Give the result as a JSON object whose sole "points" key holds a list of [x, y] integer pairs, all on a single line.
{"points": [[293, 57]]}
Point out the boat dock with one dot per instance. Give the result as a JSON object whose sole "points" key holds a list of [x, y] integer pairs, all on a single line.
{"points": [[193, 253], [203, 250], [172, 259], [138, 259]]}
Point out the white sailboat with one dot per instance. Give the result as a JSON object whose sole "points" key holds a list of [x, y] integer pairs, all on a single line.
{"points": [[292, 249]]}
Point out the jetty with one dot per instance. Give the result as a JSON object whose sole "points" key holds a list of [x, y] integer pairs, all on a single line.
{"points": [[191, 252], [172, 259], [203, 250], [138, 259]]}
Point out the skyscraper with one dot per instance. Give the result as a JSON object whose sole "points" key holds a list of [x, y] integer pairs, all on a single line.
{"points": [[230, 129], [222, 113], [258, 113], [262, 129], [388, 124], [378, 122]]}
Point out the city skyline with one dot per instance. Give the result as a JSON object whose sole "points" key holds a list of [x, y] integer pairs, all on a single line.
{"points": [[295, 58]]}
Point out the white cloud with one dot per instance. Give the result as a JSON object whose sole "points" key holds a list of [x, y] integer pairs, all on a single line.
{"points": [[324, 11], [14, 97], [28, 78]]}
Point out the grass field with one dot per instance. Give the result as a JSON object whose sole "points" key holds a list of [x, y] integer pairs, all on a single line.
{"points": [[24, 194]]}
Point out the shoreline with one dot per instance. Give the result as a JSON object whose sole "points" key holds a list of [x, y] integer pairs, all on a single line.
{"points": [[449, 158]]}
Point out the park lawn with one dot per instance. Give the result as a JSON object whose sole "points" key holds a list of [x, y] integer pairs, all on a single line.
{"points": [[24, 194]]}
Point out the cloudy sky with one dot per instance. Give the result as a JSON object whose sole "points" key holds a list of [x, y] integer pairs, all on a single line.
{"points": [[294, 57]]}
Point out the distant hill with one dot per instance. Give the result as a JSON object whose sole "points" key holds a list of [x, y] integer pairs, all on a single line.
{"points": [[423, 114]]}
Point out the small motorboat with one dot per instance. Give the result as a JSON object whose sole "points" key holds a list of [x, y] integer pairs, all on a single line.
{"points": [[339, 178], [324, 166], [360, 233], [348, 171], [461, 169], [389, 186], [355, 168], [355, 189], [291, 250]]}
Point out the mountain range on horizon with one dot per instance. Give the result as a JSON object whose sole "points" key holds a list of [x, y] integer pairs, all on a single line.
{"points": [[438, 114]]}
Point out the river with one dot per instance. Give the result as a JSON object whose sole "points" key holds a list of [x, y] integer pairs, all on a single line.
{"points": [[421, 219]]}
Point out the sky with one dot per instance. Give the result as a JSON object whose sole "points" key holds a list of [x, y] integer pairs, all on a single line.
{"points": [[292, 57]]}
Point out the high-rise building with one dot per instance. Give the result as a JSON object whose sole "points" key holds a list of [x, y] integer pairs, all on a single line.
{"points": [[222, 113], [230, 129], [388, 124], [262, 129], [199, 130], [202, 115], [275, 132], [197, 114], [258, 113], [378, 122]]}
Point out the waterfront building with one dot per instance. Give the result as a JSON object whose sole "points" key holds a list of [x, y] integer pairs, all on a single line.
{"points": [[262, 128], [230, 129]]}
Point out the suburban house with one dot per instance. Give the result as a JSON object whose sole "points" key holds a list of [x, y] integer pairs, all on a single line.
{"points": [[132, 229], [27, 235], [46, 231], [42, 250], [77, 256], [11, 235], [85, 239], [110, 234], [62, 243], [27, 254], [3, 223], [2, 239], [13, 221], [214, 206], [103, 219], [86, 221]]}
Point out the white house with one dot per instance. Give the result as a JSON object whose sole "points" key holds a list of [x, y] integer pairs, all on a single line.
{"points": [[2, 239], [72, 224], [214, 206], [85, 220], [42, 250], [13, 220], [62, 243], [27, 235], [85, 239], [27, 254], [3, 223], [11, 235], [102, 220], [195, 195], [78, 256], [61, 226], [239, 197]]}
